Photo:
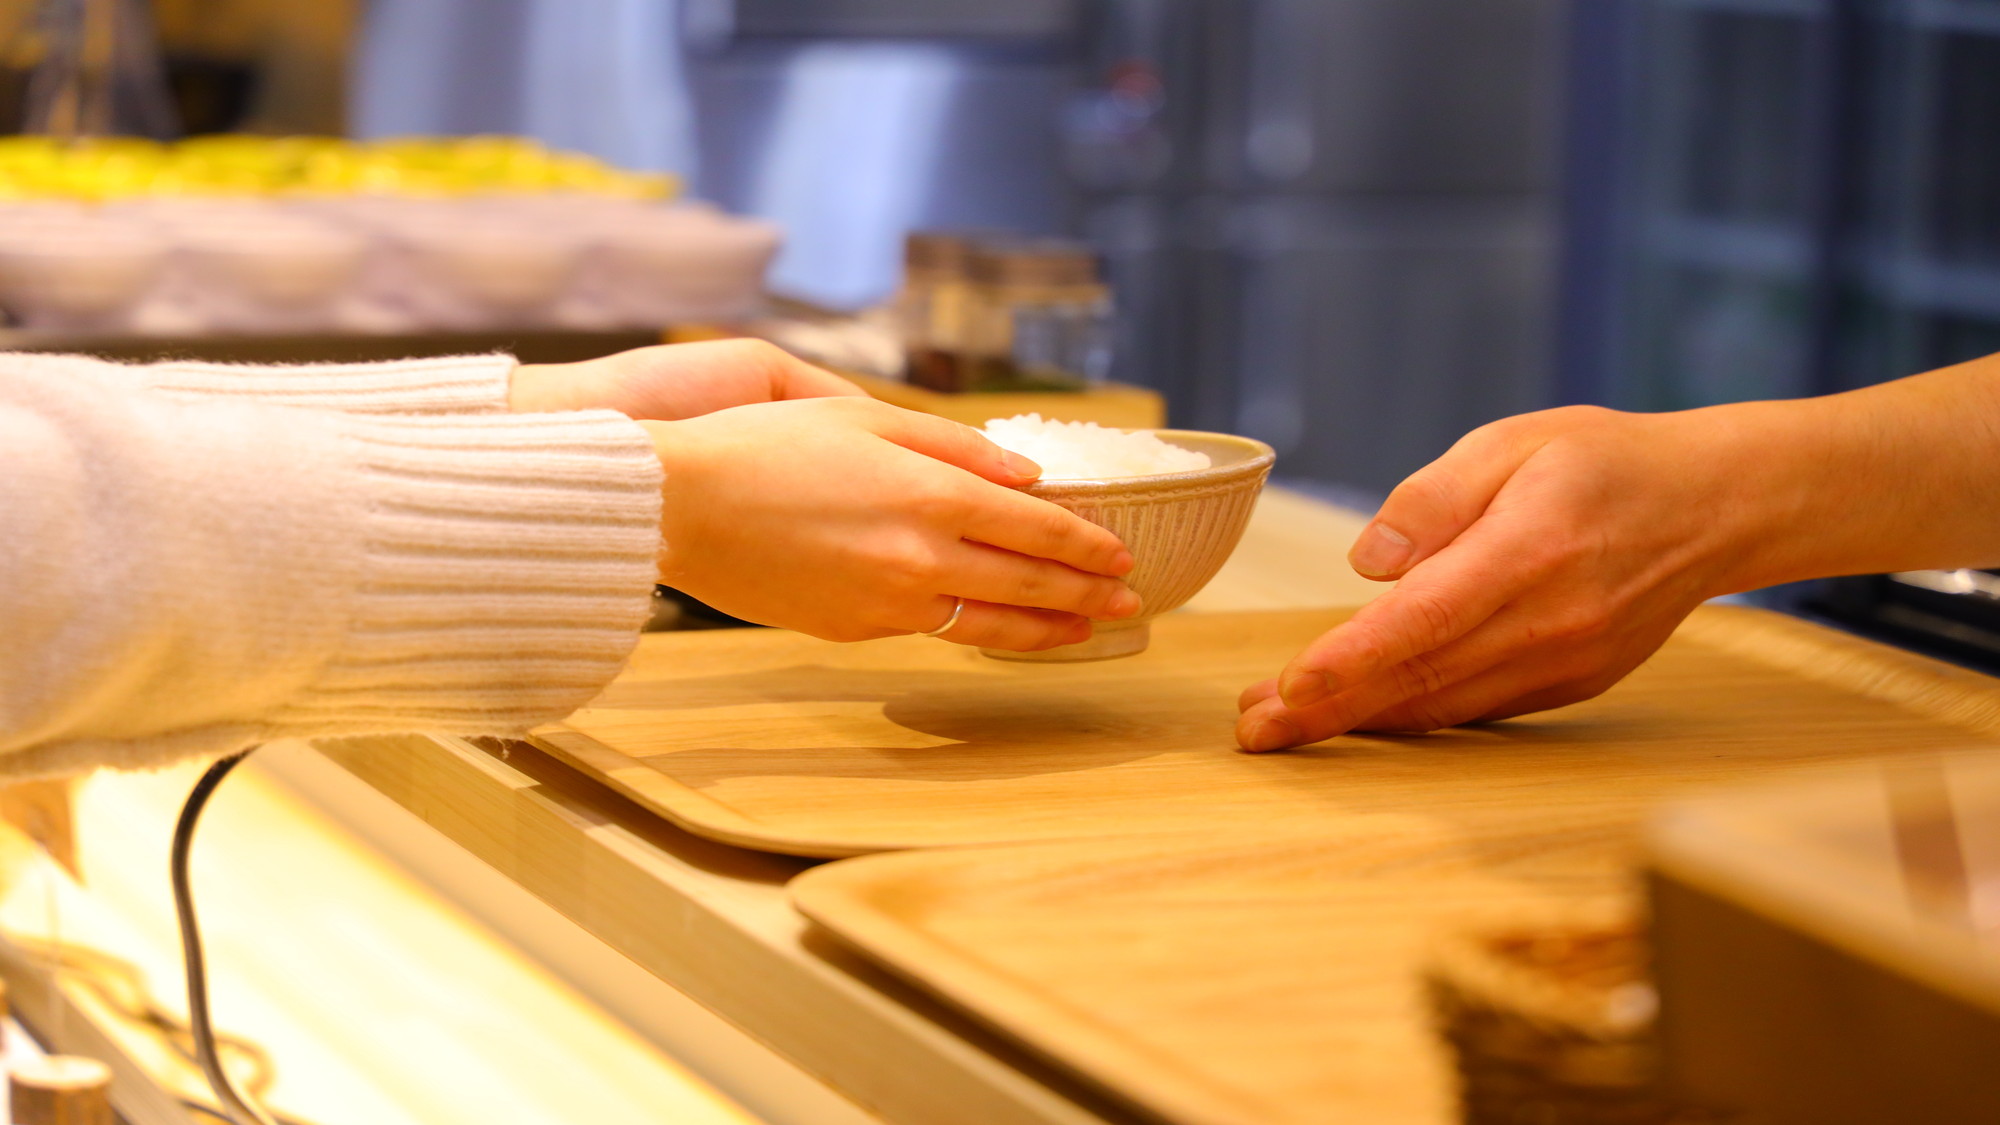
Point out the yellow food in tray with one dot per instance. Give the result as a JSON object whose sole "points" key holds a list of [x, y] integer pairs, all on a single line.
{"points": [[108, 168]]}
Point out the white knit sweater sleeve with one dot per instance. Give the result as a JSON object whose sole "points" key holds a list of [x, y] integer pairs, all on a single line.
{"points": [[188, 574], [465, 384]]}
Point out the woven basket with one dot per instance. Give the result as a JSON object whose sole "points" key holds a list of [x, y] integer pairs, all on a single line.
{"points": [[1551, 1023]]}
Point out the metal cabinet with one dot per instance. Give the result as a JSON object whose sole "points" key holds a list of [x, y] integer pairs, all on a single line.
{"points": [[1329, 221], [1359, 336], [1803, 196]]}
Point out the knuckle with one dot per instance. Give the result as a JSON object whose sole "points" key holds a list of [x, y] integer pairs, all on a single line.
{"points": [[1543, 425], [1348, 714], [1433, 614], [1507, 431], [1103, 591], [1587, 624], [760, 354], [1366, 649], [1108, 544], [1058, 527], [1430, 492], [909, 568], [941, 501], [1581, 415], [1030, 587], [1352, 715], [1552, 553], [1422, 675], [1577, 626], [869, 412]]}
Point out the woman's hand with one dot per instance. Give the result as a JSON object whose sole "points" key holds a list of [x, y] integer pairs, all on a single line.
{"points": [[1540, 560], [850, 519], [675, 381]]}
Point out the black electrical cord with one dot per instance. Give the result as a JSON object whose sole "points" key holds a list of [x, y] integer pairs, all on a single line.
{"points": [[239, 1110]]}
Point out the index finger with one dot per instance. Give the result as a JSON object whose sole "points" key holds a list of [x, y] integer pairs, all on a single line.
{"points": [[1028, 525], [1442, 599]]}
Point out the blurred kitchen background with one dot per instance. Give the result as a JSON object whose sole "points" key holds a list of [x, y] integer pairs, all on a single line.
{"points": [[1354, 228]]}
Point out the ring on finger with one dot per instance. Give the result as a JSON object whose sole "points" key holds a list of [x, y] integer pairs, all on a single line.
{"points": [[957, 609]]}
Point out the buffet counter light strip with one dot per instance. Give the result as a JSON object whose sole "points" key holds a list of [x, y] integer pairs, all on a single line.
{"points": [[772, 1089], [377, 1002], [713, 922]]}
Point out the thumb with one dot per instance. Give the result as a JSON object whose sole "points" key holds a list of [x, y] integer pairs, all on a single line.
{"points": [[957, 444], [1435, 504]]}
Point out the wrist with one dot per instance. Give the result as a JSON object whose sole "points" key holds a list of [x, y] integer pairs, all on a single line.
{"points": [[546, 388], [1798, 475], [669, 449], [1751, 494]]}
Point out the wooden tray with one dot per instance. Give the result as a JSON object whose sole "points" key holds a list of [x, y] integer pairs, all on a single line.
{"points": [[780, 742], [1253, 979]]}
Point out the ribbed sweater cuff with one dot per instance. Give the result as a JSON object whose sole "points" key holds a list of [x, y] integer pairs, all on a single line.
{"points": [[505, 569], [475, 384]]}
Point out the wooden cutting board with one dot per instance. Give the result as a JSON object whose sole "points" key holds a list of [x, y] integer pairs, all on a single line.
{"points": [[776, 741], [1252, 978]]}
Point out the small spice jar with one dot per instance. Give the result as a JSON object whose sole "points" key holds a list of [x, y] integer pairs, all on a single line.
{"points": [[932, 306], [1039, 316]]}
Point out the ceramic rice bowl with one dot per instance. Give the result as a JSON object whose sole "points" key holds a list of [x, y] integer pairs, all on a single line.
{"points": [[1180, 528]]}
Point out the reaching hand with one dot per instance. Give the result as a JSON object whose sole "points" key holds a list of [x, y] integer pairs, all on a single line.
{"points": [[676, 381], [1540, 560], [850, 519]]}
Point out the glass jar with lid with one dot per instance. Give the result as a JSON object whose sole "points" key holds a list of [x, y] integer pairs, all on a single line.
{"points": [[1039, 316], [932, 307]]}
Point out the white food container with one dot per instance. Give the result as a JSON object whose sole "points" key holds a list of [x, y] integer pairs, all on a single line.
{"points": [[677, 264], [72, 272], [274, 274]]}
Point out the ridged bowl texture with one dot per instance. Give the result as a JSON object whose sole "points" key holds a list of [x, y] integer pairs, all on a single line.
{"points": [[1180, 528]]}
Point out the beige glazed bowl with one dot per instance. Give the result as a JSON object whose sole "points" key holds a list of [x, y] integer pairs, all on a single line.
{"points": [[1180, 528]]}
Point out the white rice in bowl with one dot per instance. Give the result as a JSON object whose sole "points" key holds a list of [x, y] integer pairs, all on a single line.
{"points": [[1088, 451]]}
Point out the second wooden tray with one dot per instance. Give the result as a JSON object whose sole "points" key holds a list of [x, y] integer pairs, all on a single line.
{"points": [[1245, 978]]}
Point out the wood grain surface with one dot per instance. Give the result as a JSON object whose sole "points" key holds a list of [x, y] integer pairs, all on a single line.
{"points": [[1256, 978], [776, 741]]}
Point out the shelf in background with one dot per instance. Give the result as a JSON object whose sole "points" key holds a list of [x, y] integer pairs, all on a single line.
{"points": [[1732, 246], [530, 346], [1916, 284], [1973, 17], [1977, 17], [1803, 9]]}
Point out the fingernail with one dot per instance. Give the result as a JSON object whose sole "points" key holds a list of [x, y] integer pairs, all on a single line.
{"points": [[1122, 564], [1380, 552], [1271, 734], [1301, 689], [1123, 604], [1020, 466]]}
